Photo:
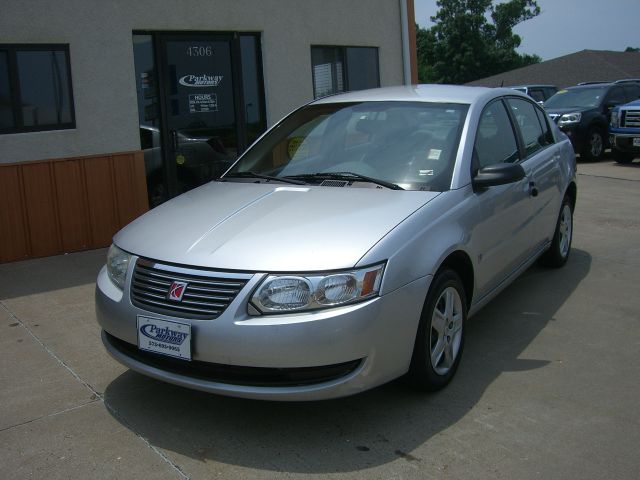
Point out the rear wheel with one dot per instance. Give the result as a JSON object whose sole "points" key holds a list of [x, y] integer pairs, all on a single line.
{"points": [[594, 147], [558, 252], [440, 338]]}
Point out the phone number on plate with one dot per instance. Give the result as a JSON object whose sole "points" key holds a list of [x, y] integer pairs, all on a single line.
{"points": [[173, 348]]}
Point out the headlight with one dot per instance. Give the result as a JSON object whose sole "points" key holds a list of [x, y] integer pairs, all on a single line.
{"points": [[296, 293], [570, 118], [117, 265], [615, 118]]}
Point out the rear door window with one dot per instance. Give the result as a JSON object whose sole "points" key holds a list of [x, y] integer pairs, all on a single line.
{"points": [[524, 113]]}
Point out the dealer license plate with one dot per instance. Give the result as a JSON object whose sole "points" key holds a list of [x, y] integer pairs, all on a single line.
{"points": [[636, 141], [164, 337]]}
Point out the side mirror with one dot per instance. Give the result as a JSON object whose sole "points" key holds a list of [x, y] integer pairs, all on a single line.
{"points": [[611, 105], [498, 174]]}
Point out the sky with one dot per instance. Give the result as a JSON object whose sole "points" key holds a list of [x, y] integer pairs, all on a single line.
{"points": [[568, 26]]}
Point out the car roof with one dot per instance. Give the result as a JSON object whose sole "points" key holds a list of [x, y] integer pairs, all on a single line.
{"points": [[601, 84], [421, 93], [533, 85]]}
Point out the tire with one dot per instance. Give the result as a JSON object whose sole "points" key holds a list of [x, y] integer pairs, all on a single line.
{"points": [[440, 338], [560, 248], [593, 150], [622, 157]]}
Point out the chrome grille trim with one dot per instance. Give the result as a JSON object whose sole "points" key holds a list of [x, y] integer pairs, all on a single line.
{"points": [[207, 295], [630, 119]]}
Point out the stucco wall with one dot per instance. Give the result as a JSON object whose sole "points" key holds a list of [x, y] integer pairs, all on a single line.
{"points": [[99, 34]]}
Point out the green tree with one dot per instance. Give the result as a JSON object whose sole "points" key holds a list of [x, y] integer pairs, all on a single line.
{"points": [[472, 39]]}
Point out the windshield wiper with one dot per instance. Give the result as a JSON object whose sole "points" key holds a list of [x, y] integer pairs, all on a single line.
{"points": [[263, 177], [347, 176]]}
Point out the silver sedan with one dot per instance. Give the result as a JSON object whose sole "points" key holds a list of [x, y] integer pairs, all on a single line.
{"points": [[346, 248]]}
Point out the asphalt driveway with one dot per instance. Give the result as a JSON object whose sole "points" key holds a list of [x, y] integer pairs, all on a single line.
{"points": [[548, 386]]}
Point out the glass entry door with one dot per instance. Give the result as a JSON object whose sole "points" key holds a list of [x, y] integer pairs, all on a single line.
{"points": [[199, 101]]}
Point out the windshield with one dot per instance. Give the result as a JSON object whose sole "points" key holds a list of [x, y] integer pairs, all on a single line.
{"points": [[579, 97], [409, 145]]}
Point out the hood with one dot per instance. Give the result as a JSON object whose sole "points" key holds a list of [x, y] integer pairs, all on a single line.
{"points": [[562, 111], [268, 227], [635, 103]]}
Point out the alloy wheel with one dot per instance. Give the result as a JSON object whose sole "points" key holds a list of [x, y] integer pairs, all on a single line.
{"points": [[446, 331], [565, 230], [596, 145]]}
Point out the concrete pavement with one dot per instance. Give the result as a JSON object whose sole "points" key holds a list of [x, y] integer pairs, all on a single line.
{"points": [[548, 386]]}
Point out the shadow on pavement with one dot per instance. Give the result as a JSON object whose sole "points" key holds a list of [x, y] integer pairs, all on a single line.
{"points": [[357, 432], [40, 275], [633, 164]]}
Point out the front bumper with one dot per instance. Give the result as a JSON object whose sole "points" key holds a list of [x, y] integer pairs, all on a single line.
{"points": [[625, 142], [310, 356]]}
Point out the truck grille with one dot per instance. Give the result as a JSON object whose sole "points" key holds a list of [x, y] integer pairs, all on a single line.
{"points": [[206, 295], [630, 119]]}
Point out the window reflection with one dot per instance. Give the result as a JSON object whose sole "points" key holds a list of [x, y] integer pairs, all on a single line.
{"points": [[6, 111], [35, 88], [339, 69], [44, 87], [252, 87]]}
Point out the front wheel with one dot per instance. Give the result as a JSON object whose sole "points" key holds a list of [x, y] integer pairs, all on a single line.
{"points": [[558, 252], [440, 338], [594, 148]]}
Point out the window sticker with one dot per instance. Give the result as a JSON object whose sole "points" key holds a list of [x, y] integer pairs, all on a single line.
{"points": [[203, 102], [434, 154], [293, 148]]}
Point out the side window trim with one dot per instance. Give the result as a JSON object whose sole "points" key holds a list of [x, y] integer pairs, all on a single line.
{"points": [[543, 118], [516, 129]]}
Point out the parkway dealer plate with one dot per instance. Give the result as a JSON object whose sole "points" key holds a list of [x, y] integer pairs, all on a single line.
{"points": [[164, 337]]}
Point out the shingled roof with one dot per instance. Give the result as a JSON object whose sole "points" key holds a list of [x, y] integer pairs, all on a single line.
{"points": [[584, 66]]}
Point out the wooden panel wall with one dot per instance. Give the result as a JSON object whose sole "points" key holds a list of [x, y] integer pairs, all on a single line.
{"points": [[66, 205]]}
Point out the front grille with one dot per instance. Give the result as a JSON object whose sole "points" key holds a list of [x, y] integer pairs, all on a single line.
{"points": [[206, 296], [235, 374], [630, 119]]}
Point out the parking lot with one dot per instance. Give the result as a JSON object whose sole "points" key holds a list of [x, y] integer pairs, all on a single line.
{"points": [[548, 386]]}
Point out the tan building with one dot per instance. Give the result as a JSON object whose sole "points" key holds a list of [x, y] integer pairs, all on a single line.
{"points": [[108, 108]]}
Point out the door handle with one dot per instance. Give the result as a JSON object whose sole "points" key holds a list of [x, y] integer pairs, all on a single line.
{"points": [[533, 190], [174, 140]]}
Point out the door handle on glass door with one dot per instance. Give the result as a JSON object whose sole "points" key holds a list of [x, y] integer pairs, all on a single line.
{"points": [[174, 140]]}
